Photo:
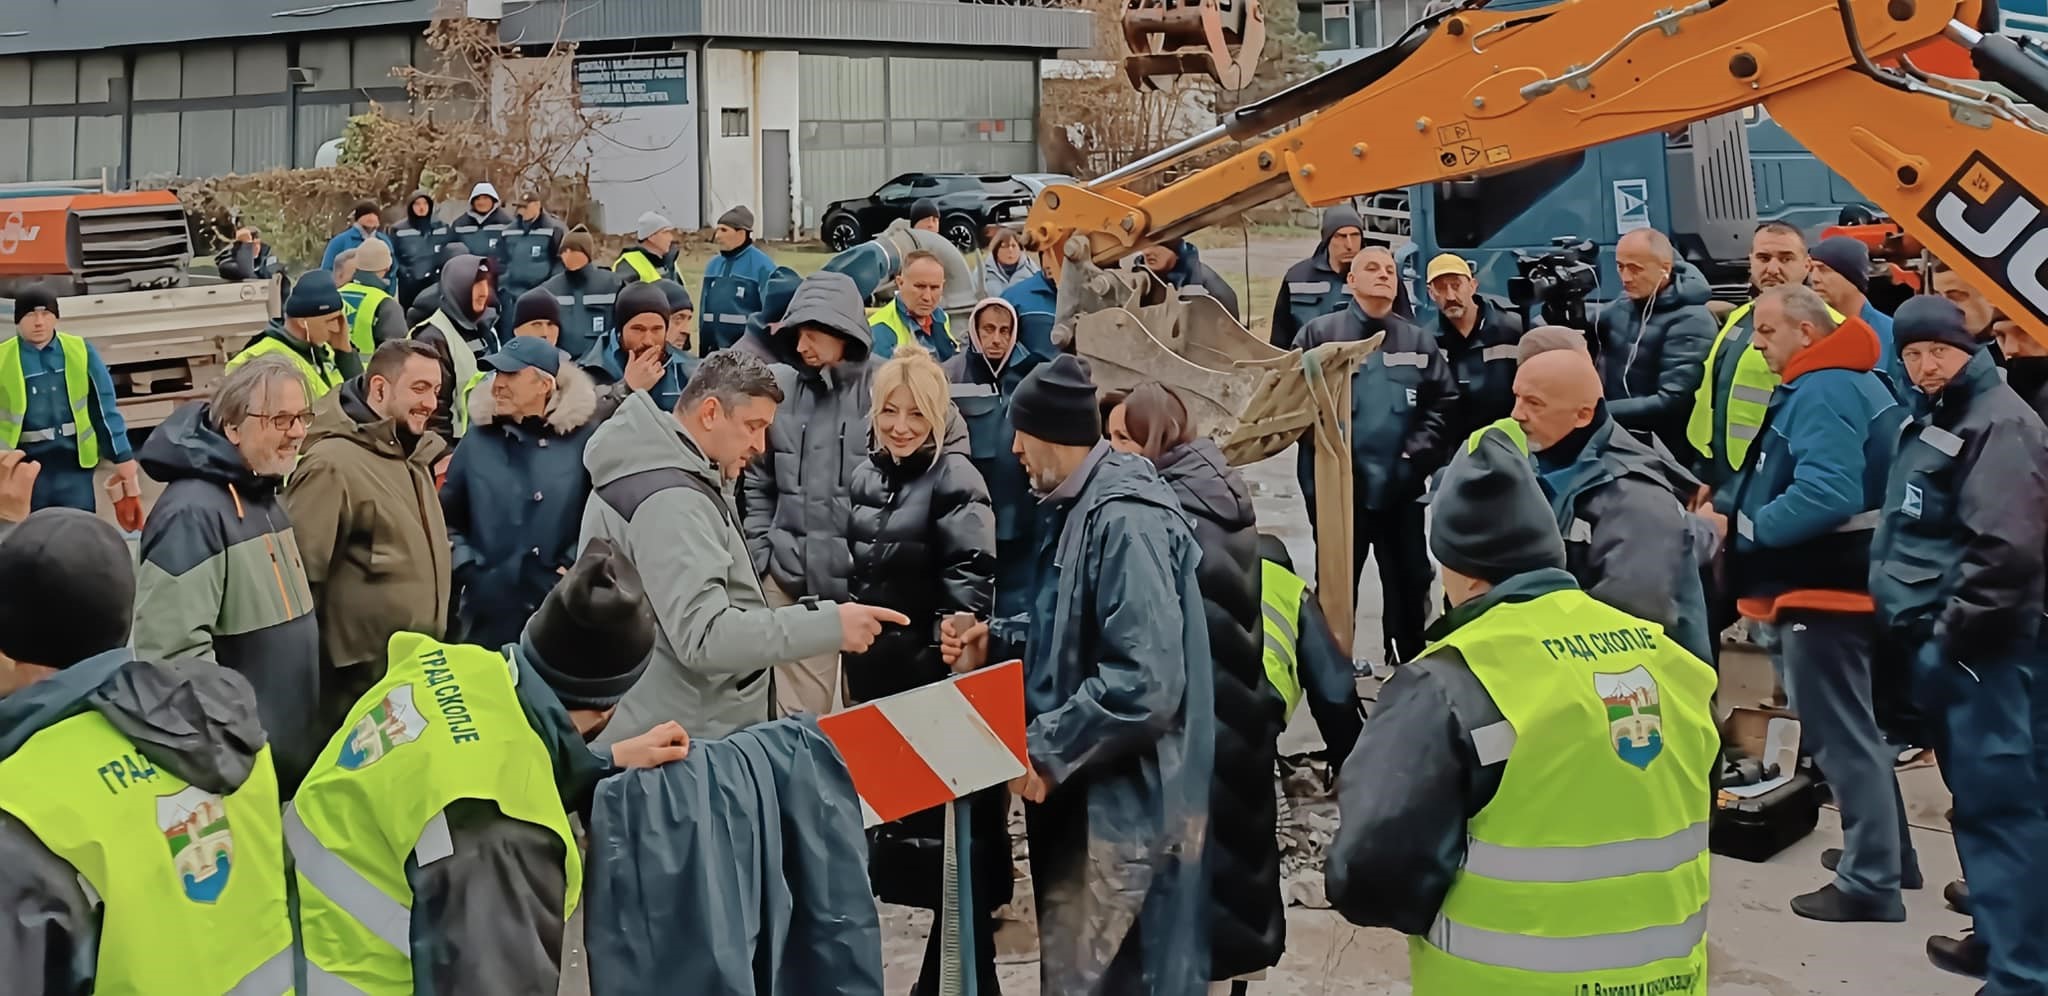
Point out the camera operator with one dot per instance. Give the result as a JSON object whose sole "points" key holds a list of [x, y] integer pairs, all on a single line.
{"points": [[1653, 338], [1403, 398]]}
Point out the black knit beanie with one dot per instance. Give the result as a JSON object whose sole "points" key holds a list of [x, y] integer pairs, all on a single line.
{"points": [[639, 299], [70, 584], [33, 297], [536, 305], [1491, 520], [1927, 318], [592, 636], [1847, 257], [678, 296], [1057, 403]]}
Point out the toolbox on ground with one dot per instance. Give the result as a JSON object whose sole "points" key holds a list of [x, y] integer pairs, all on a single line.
{"points": [[1756, 829]]}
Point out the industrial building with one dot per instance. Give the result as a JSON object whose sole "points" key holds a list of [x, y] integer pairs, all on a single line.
{"points": [[783, 105]]}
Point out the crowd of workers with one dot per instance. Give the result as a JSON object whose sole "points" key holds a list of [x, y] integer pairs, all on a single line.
{"points": [[601, 521]]}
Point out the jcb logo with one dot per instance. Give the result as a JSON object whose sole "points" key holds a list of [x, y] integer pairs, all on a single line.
{"points": [[12, 234], [1992, 218]]}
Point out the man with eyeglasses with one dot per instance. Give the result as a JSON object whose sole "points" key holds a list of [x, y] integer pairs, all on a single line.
{"points": [[220, 577]]}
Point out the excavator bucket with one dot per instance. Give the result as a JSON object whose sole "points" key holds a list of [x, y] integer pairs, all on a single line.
{"points": [[1168, 39], [1253, 399]]}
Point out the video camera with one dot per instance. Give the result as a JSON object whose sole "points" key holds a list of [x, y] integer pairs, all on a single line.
{"points": [[1554, 285]]}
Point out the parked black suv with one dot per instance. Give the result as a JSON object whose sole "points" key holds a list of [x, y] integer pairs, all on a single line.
{"points": [[968, 203]]}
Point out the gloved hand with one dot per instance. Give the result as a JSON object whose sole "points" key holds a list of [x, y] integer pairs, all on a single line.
{"points": [[124, 489]]}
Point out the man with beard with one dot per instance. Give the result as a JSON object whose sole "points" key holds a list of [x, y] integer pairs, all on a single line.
{"points": [[1402, 400], [1978, 313], [462, 331], [2026, 364], [1479, 339], [985, 376], [1736, 385], [1314, 287], [732, 282], [1120, 702], [368, 520], [220, 577]]}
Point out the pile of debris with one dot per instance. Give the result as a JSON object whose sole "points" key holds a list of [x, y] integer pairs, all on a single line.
{"points": [[1308, 823]]}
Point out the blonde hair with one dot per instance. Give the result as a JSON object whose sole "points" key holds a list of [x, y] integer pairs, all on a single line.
{"points": [[915, 371]]}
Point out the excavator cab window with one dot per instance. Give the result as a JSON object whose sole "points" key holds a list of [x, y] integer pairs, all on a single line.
{"points": [[1470, 212]]}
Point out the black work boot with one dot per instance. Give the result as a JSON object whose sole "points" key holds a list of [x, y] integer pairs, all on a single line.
{"points": [[1965, 955], [1908, 879], [1832, 905], [1958, 895]]}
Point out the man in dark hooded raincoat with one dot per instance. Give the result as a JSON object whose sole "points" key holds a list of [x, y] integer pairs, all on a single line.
{"points": [[1120, 699]]}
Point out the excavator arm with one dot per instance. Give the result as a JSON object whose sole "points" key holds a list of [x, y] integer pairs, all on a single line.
{"points": [[1470, 92]]}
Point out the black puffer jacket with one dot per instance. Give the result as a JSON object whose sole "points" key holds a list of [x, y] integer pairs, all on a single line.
{"points": [[1247, 921], [924, 544]]}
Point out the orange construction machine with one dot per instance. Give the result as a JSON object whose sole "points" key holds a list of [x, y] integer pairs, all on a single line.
{"points": [[83, 240]]}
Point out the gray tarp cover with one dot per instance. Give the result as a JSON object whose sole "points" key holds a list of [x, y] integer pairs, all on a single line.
{"points": [[740, 870]]}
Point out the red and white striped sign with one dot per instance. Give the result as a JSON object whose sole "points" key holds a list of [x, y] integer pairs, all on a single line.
{"points": [[931, 745]]}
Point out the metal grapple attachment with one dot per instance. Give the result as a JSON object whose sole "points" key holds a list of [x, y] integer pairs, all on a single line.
{"points": [[1218, 39]]}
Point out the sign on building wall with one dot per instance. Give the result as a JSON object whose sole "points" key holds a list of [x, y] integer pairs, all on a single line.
{"points": [[634, 80]]}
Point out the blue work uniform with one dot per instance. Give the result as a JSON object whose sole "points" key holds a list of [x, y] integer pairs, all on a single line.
{"points": [[731, 294], [49, 432]]}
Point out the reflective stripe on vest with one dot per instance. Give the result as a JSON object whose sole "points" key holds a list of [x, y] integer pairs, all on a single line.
{"points": [[463, 358], [1749, 397], [637, 262], [320, 379], [1861, 522], [190, 883], [77, 389], [444, 724], [1280, 592], [359, 304], [1588, 869]]}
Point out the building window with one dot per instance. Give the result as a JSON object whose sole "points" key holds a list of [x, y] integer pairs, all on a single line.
{"points": [[732, 122]]}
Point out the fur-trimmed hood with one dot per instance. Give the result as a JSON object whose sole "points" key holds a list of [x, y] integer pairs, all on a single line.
{"points": [[572, 407]]}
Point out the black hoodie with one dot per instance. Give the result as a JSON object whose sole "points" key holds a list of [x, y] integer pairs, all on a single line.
{"points": [[221, 579], [479, 331]]}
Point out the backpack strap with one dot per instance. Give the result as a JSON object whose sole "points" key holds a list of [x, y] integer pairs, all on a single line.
{"points": [[628, 493]]}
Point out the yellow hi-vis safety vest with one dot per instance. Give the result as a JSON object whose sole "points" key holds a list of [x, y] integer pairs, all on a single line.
{"points": [[1749, 397], [638, 263], [77, 389], [359, 304], [321, 377], [443, 725], [467, 374], [1587, 872], [1280, 590], [191, 883]]}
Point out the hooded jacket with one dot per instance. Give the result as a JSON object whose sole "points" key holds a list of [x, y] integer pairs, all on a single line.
{"points": [[586, 297], [221, 580], [350, 238], [718, 638], [369, 526], [1651, 361], [1247, 921], [1120, 710], [996, 278], [1402, 400], [453, 315], [1620, 505], [1192, 276], [794, 498], [417, 247], [1312, 288], [479, 234], [1036, 301], [197, 722], [513, 502], [1958, 559], [1802, 510]]}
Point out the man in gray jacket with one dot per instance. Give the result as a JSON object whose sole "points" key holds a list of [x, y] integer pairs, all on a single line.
{"points": [[795, 498], [662, 495]]}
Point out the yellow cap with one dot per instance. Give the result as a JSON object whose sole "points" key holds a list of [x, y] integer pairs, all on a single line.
{"points": [[1446, 263]]}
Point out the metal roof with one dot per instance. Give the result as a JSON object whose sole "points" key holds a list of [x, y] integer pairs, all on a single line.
{"points": [[33, 26], [29, 26]]}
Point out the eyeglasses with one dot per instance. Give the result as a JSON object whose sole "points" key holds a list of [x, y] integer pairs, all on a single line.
{"points": [[283, 421]]}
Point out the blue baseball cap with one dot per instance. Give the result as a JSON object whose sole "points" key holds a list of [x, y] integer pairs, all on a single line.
{"points": [[525, 352]]}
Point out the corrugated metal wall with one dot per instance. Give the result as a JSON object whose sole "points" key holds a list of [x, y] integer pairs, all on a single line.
{"points": [[863, 120]]}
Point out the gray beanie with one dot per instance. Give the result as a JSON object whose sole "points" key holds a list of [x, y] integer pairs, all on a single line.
{"points": [[1491, 520], [740, 217]]}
